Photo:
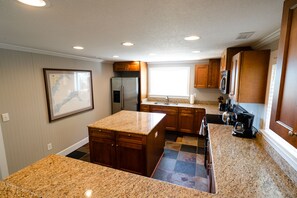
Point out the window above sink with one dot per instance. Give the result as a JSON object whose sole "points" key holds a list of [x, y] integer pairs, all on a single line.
{"points": [[169, 81]]}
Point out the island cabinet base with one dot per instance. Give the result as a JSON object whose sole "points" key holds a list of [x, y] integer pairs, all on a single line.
{"points": [[126, 151]]}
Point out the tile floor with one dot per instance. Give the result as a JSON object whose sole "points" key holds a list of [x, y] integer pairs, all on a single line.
{"points": [[182, 162]]}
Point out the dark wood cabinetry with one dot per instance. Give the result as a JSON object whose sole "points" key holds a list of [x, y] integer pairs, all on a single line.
{"points": [[284, 109], [226, 58], [126, 66], [186, 120], [130, 152], [102, 140], [171, 120], [182, 119], [207, 75], [249, 76]]}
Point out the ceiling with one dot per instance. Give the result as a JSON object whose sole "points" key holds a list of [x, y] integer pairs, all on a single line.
{"points": [[154, 26]]}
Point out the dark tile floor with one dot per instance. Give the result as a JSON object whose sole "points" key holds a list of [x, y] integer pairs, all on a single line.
{"points": [[181, 164]]}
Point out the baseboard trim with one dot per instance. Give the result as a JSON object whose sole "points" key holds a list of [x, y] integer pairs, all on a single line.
{"points": [[287, 151], [74, 147]]}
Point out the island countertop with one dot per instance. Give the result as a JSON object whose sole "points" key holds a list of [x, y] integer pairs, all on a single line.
{"points": [[130, 121]]}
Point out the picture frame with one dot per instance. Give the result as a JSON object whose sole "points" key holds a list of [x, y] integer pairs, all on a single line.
{"points": [[68, 92]]}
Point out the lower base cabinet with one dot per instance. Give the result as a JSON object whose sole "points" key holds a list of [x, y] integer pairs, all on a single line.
{"points": [[130, 152]]}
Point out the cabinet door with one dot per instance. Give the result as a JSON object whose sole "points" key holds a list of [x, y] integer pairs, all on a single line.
{"points": [[126, 66], [213, 73], [223, 60], [102, 147], [171, 120], [199, 115], [144, 108], [284, 108], [186, 120], [201, 76], [131, 157]]}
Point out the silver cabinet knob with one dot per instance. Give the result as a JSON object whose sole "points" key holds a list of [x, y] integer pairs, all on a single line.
{"points": [[112, 145], [292, 133]]}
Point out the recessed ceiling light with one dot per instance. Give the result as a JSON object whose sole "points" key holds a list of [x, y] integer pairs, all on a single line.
{"points": [[196, 51], [78, 47], [116, 56], [36, 3], [128, 44], [192, 38], [152, 54]]}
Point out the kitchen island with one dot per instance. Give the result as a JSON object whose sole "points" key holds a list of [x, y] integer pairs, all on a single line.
{"points": [[242, 168], [128, 140]]}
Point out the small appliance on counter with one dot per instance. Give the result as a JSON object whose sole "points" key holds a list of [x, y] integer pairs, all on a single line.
{"points": [[244, 126]]}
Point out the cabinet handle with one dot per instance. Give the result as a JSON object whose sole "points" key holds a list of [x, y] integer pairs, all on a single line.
{"points": [[292, 133], [117, 145], [129, 135], [112, 145], [99, 130]]}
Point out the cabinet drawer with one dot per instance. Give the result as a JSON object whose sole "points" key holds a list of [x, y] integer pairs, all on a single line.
{"points": [[130, 137], [144, 108], [101, 133], [186, 110]]}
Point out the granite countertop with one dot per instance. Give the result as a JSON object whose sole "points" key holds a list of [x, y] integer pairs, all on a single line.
{"points": [[58, 176], [10, 190], [130, 121], [209, 108], [242, 168]]}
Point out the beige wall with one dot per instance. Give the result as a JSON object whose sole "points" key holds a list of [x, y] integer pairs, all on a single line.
{"points": [[22, 95]]}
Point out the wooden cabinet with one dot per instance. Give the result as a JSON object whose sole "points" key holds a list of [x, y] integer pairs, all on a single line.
{"points": [[144, 108], [171, 120], [102, 140], [207, 75], [284, 108], [186, 120], [126, 66], [198, 116], [201, 76], [226, 58], [182, 119], [130, 152], [249, 76]]}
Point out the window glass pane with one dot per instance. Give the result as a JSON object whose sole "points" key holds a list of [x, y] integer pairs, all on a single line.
{"points": [[270, 97], [169, 81]]}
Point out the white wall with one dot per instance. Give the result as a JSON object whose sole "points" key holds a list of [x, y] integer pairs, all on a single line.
{"points": [[22, 94], [201, 94]]}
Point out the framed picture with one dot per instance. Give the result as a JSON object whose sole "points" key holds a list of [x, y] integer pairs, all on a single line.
{"points": [[68, 92]]}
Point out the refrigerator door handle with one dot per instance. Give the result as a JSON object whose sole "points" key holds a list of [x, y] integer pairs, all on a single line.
{"points": [[122, 103]]}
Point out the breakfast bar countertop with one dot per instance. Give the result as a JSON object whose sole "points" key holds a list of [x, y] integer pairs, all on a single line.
{"points": [[130, 121], [242, 168]]}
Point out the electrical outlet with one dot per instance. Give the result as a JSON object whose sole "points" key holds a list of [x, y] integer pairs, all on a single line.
{"points": [[49, 146], [5, 117]]}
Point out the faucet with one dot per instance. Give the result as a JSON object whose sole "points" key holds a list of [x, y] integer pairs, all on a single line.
{"points": [[167, 100]]}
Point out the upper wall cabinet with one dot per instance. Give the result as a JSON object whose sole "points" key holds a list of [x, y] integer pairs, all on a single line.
{"points": [[284, 108], [226, 59], [207, 75], [126, 66], [249, 76]]}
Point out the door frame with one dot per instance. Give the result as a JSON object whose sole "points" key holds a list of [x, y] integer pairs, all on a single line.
{"points": [[3, 160]]}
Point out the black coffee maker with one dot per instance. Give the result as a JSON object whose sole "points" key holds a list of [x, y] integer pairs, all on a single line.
{"points": [[243, 126]]}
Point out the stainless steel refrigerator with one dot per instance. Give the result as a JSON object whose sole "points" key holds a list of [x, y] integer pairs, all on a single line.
{"points": [[124, 93]]}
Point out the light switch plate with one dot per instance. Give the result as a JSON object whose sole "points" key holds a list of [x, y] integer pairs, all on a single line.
{"points": [[5, 117]]}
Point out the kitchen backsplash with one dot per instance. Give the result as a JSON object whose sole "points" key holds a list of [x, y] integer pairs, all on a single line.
{"points": [[180, 100]]}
